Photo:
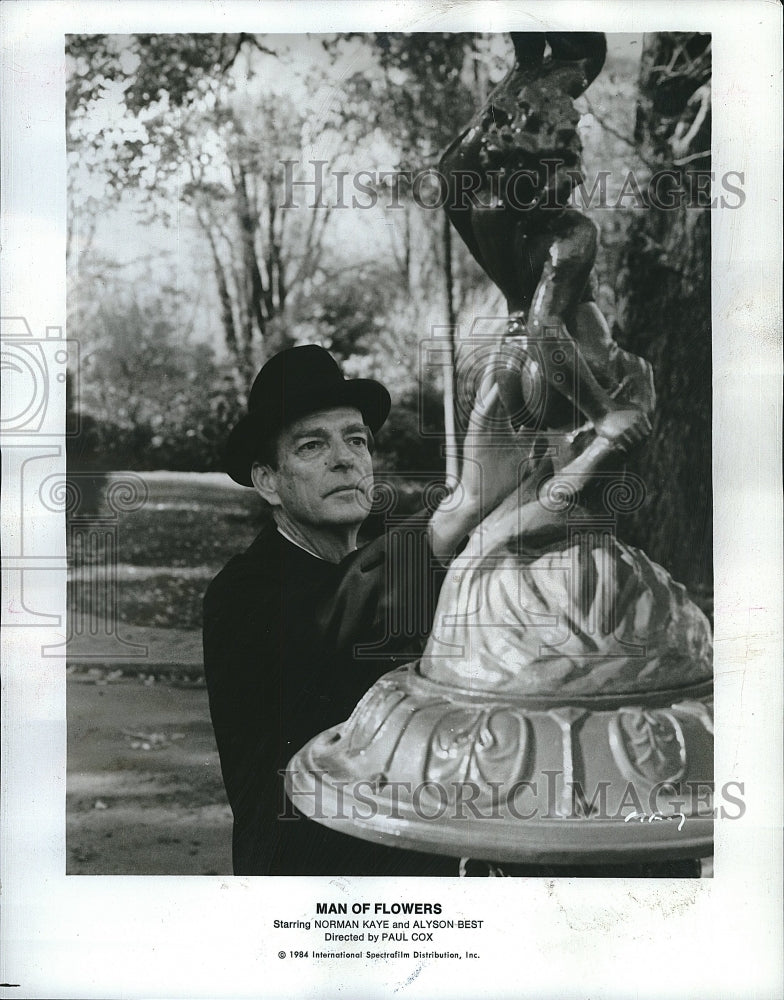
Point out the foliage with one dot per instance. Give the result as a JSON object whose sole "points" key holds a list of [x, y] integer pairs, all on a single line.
{"points": [[164, 116], [425, 87], [182, 121], [412, 440], [419, 92], [150, 398], [177, 66]]}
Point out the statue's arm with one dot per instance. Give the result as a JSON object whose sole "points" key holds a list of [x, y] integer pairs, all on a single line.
{"points": [[496, 466], [493, 466], [519, 516]]}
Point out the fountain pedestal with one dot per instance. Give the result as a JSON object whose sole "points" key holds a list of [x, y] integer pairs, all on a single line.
{"points": [[536, 779]]}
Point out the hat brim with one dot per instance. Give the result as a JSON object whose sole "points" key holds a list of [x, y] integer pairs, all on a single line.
{"points": [[243, 444]]}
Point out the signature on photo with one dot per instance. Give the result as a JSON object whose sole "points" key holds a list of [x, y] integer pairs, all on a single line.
{"points": [[656, 817]]}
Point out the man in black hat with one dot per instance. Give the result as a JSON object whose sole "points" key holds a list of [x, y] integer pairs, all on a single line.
{"points": [[282, 621]]}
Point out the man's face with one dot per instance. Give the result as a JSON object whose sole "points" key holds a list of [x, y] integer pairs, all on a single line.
{"points": [[325, 472]]}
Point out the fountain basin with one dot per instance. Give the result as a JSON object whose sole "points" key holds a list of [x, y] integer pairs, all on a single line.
{"points": [[549, 779]]}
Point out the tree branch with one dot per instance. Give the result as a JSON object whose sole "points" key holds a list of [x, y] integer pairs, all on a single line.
{"points": [[614, 131], [689, 159], [241, 39]]}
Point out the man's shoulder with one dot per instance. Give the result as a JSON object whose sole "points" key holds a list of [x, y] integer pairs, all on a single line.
{"points": [[257, 564]]}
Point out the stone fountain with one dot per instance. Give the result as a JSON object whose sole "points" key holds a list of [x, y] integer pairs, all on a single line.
{"points": [[561, 712]]}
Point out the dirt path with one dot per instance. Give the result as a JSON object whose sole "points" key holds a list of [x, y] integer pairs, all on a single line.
{"points": [[145, 795]]}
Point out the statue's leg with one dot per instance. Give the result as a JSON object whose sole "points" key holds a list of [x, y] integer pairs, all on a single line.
{"points": [[568, 251], [493, 233], [522, 263], [499, 244], [504, 253], [586, 324], [458, 167]]}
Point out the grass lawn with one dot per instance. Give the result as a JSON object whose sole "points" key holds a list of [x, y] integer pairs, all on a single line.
{"points": [[170, 548], [189, 520]]}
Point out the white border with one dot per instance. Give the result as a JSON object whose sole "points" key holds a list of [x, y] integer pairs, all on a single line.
{"points": [[211, 937]]}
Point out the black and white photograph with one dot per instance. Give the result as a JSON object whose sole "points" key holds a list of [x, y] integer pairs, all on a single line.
{"points": [[446, 539], [393, 467]]}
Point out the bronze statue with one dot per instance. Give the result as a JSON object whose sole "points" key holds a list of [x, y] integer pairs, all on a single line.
{"points": [[523, 150]]}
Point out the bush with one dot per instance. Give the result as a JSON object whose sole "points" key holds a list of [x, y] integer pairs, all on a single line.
{"points": [[412, 439]]}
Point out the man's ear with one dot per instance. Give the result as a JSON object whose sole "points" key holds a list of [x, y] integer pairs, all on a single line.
{"points": [[265, 482]]}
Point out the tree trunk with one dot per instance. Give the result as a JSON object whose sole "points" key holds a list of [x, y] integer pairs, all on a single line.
{"points": [[256, 292], [664, 307], [224, 295]]}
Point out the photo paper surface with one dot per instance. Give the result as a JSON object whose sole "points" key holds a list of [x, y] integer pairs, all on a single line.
{"points": [[548, 241]]}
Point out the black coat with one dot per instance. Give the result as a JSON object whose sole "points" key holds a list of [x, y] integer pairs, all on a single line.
{"points": [[281, 631]]}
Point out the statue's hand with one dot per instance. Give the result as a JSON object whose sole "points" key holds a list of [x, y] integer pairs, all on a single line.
{"points": [[636, 385], [623, 428]]}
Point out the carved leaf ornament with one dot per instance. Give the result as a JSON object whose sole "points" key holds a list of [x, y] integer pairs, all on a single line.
{"points": [[648, 745]]}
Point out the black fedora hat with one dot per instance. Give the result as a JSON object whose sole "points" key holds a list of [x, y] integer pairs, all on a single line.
{"points": [[292, 384]]}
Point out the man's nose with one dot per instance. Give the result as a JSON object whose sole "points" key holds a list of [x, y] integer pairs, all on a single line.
{"points": [[341, 455]]}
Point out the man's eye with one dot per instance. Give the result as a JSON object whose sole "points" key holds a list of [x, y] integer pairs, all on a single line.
{"points": [[309, 446], [358, 442]]}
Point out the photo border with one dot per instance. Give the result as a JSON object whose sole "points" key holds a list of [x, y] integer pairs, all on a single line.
{"points": [[194, 936]]}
